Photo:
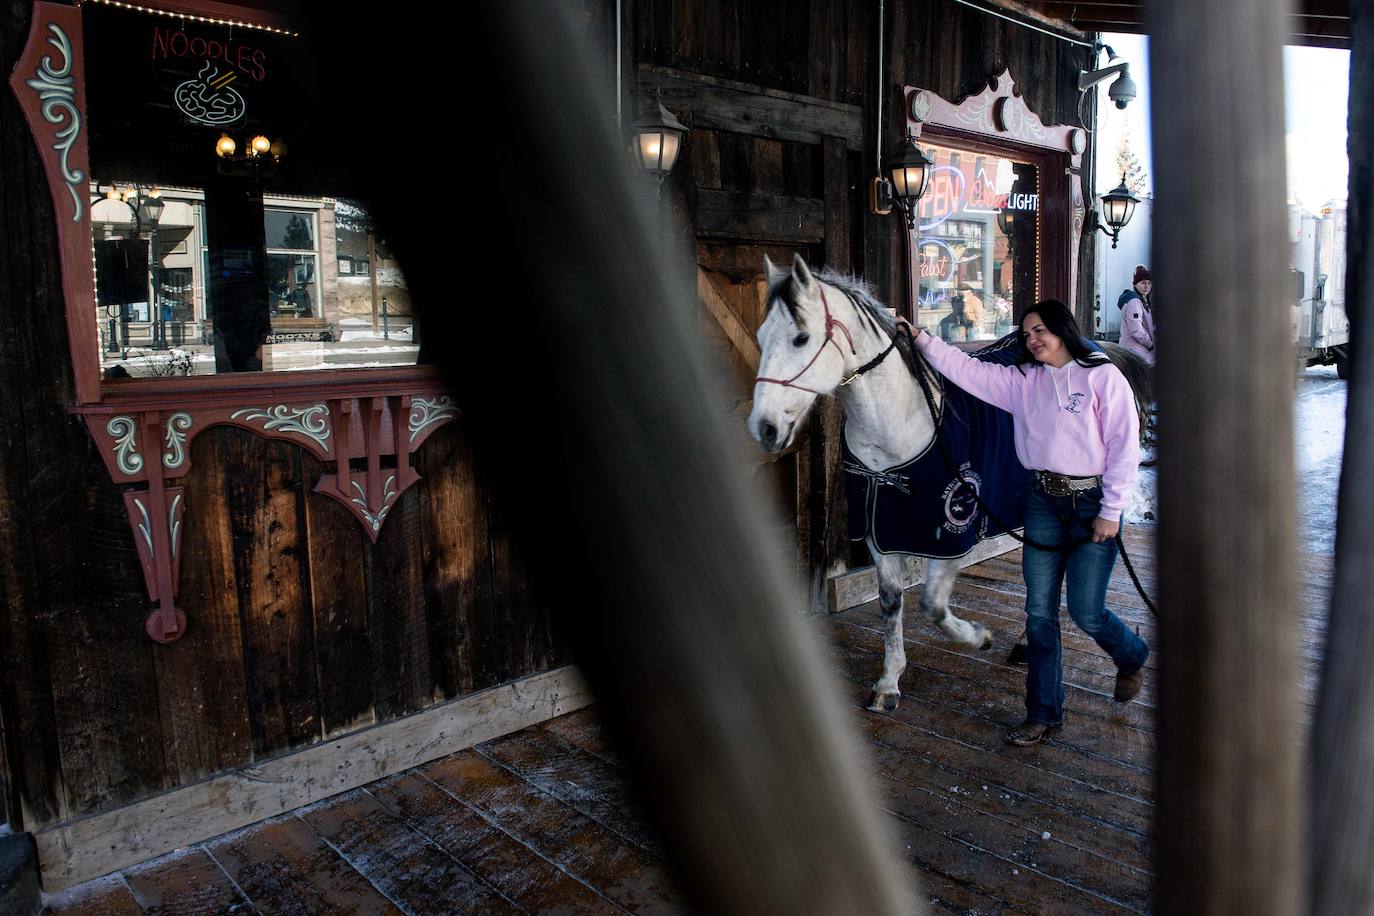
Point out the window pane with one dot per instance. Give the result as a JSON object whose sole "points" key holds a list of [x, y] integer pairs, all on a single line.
{"points": [[976, 244], [292, 285], [291, 229]]}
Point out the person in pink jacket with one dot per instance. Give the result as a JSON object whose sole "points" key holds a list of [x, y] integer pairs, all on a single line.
{"points": [[1137, 315], [1075, 425]]}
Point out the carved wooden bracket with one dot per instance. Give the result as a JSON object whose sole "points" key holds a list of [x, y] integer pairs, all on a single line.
{"points": [[148, 445]]}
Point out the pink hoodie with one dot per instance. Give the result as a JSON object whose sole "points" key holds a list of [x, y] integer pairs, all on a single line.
{"points": [[1073, 420], [1138, 329]]}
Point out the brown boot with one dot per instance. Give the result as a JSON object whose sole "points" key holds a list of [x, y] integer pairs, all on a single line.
{"points": [[1128, 685], [1028, 733]]}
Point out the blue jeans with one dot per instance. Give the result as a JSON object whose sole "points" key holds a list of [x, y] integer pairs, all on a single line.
{"points": [[1055, 520]]}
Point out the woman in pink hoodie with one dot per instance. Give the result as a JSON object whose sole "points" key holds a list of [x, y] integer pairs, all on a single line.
{"points": [[1075, 425], [1137, 315]]}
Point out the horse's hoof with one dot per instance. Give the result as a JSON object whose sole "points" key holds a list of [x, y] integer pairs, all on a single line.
{"points": [[987, 642], [1017, 655], [883, 702]]}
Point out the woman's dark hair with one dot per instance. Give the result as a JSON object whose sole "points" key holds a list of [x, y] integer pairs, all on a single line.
{"points": [[1059, 321]]}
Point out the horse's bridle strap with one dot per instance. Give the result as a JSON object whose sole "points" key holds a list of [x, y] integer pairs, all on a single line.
{"points": [[831, 322]]}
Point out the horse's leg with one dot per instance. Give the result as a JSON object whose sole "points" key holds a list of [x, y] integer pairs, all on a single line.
{"points": [[940, 576], [886, 694]]}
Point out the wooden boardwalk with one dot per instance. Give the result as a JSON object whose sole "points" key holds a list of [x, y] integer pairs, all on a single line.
{"points": [[540, 821]]}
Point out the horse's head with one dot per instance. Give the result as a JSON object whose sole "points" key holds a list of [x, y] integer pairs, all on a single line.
{"points": [[800, 353]]}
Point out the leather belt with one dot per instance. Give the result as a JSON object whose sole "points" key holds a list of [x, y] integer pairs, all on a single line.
{"points": [[1063, 485]]}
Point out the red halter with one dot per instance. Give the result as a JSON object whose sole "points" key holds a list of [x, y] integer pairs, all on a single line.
{"points": [[831, 323]]}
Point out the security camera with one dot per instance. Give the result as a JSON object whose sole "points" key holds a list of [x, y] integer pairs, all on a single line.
{"points": [[1122, 90]]}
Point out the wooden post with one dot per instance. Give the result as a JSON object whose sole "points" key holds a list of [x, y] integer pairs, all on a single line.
{"points": [[1342, 785], [828, 510], [593, 403], [1228, 780]]}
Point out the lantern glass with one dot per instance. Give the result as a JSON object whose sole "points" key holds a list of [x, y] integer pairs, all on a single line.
{"points": [[153, 207], [260, 145], [649, 150], [226, 145]]}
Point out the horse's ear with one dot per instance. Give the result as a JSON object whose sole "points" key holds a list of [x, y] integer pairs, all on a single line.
{"points": [[771, 271], [801, 272]]}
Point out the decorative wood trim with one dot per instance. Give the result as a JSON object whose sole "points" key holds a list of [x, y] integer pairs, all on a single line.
{"points": [[998, 113], [861, 586], [96, 845], [997, 120], [336, 429], [49, 82], [756, 111]]}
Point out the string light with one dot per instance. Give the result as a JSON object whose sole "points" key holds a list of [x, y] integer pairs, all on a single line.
{"points": [[208, 20]]}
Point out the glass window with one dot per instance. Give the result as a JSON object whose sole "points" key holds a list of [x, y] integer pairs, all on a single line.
{"points": [[976, 244], [292, 286], [292, 229], [251, 262]]}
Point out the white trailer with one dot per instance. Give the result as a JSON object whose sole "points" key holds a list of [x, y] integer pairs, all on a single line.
{"points": [[1321, 329]]}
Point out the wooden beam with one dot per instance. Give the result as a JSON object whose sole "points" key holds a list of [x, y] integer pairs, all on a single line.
{"points": [[88, 847], [1341, 827], [1228, 787], [759, 217], [743, 108], [861, 586], [739, 336]]}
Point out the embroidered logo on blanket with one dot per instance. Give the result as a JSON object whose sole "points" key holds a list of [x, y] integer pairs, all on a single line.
{"points": [[961, 499]]}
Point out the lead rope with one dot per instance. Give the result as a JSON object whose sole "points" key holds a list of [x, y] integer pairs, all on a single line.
{"points": [[917, 365]]}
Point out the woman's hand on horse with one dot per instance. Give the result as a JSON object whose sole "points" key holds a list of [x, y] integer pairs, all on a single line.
{"points": [[1104, 529]]}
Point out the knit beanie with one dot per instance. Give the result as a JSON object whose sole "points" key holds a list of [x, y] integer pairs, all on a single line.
{"points": [[1141, 273]]}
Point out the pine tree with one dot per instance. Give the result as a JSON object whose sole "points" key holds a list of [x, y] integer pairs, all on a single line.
{"points": [[1129, 165]]}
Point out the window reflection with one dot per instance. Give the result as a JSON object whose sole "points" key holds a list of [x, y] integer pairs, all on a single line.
{"points": [[213, 263], [976, 244]]}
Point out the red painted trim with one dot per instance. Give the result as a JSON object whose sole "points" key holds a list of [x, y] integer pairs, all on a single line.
{"points": [[66, 101]]}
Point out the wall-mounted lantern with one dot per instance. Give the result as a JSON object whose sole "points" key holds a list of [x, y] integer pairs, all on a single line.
{"points": [[1118, 206], [657, 140], [908, 175]]}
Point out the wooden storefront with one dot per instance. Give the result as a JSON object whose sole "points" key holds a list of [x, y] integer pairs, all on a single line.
{"points": [[311, 639], [783, 104]]}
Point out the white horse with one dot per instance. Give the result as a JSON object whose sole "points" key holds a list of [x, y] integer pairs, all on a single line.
{"points": [[817, 335]]}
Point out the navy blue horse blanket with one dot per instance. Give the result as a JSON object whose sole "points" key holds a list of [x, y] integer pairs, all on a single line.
{"points": [[927, 506]]}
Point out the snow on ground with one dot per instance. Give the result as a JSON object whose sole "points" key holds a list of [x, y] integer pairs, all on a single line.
{"points": [[1319, 440]]}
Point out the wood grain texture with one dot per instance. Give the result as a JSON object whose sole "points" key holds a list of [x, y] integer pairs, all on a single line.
{"points": [[626, 874], [189, 883], [397, 626], [402, 863], [1342, 769], [519, 873], [201, 681], [1228, 779], [264, 497], [457, 557], [339, 601], [77, 850], [285, 867]]}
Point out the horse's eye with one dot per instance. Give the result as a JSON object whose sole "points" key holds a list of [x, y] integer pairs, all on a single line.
{"points": [[801, 339]]}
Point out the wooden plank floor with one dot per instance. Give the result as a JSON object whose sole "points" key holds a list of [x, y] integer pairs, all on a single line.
{"points": [[540, 821]]}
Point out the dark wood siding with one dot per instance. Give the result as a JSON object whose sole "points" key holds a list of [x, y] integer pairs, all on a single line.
{"points": [[300, 627]]}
